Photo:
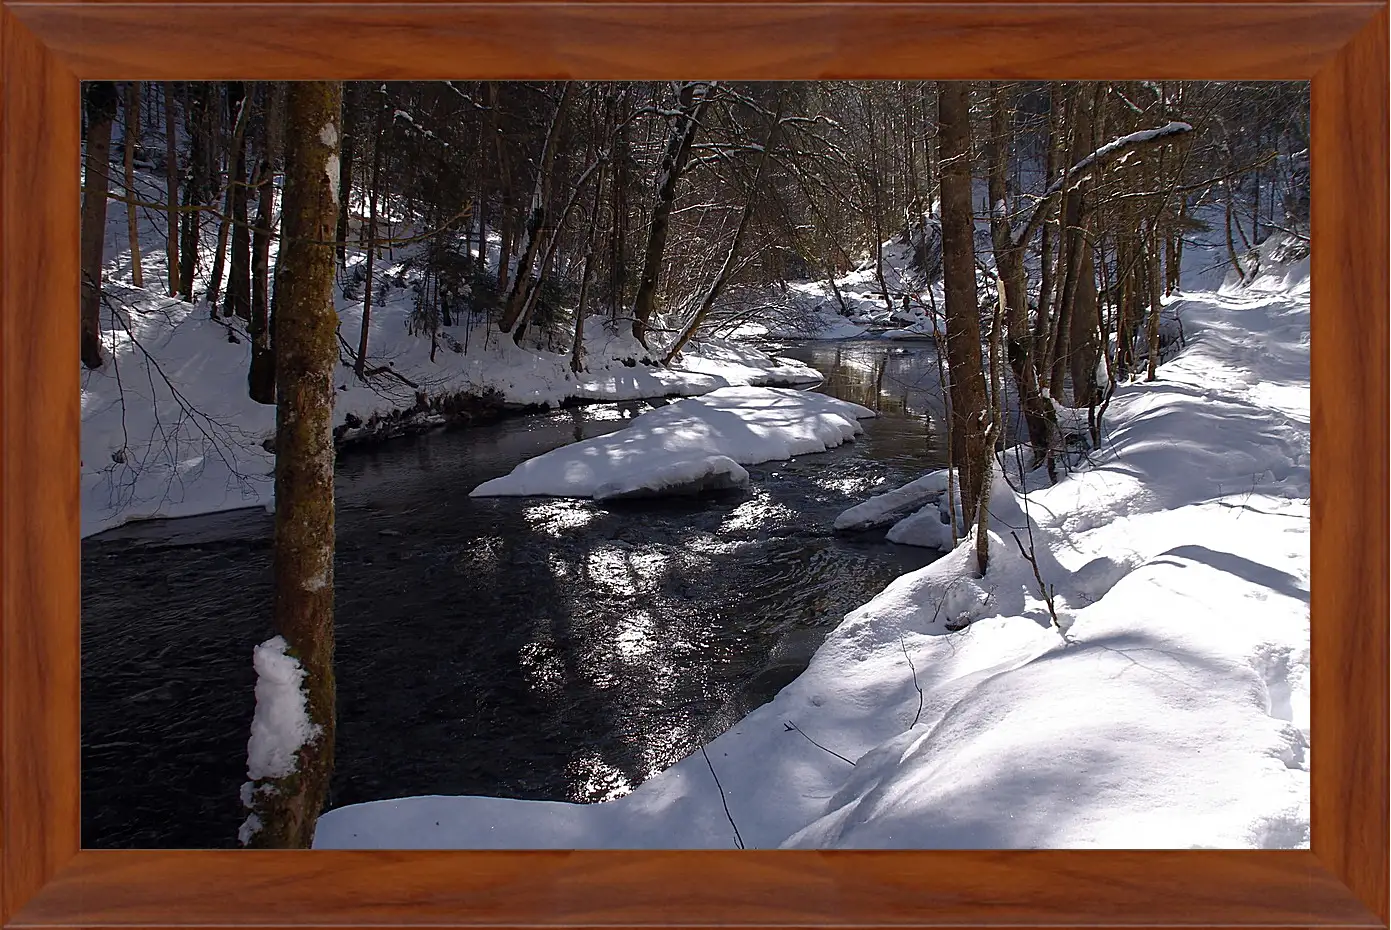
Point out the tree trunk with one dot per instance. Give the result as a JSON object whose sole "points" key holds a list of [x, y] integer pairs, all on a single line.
{"points": [[1085, 354], [521, 279], [504, 250], [1231, 244], [261, 375], [196, 192], [1009, 261], [1124, 297], [132, 134], [239, 264], [102, 102], [485, 141], [285, 808], [1074, 240], [970, 412], [547, 264], [224, 228], [1047, 261], [171, 193], [1176, 266], [678, 151], [348, 150], [360, 366], [1152, 256], [618, 242], [590, 241], [722, 278], [876, 191]]}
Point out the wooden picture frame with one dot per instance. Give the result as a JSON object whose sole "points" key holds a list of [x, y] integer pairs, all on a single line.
{"points": [[46, 48]]}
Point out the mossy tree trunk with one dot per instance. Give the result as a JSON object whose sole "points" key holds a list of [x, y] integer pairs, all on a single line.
{"points": [[306, 354]]}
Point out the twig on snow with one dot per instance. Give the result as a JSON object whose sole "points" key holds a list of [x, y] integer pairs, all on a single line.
{"points": [[737, 838], [792, 727], [914, 669]]}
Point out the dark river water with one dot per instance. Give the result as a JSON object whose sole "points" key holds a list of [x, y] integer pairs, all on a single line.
{"points": [[531, 648]]}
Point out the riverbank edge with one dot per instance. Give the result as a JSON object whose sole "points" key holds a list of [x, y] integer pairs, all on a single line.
{"points": [[468, 409]]}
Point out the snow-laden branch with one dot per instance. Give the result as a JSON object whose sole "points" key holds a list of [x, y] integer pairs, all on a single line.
{"points": [[1103, 156]]}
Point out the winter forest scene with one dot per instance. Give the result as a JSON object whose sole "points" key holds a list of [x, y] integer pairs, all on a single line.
{"points": [[700, 464]]}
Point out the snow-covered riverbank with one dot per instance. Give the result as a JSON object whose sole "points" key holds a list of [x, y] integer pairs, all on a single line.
{"points": [[1170, 709], [169, 429]]}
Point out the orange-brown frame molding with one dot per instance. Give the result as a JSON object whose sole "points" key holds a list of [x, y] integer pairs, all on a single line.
{"points": [[46, 48]]}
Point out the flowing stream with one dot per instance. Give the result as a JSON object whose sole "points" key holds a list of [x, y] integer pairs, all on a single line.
{"points": [[531, 648]]}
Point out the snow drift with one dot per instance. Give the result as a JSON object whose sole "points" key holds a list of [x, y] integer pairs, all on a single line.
{"points": [[695, 444]]}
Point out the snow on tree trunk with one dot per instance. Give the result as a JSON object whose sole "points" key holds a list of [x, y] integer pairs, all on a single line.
{"points": [[101, 112], [280, 728], [285, 803]]}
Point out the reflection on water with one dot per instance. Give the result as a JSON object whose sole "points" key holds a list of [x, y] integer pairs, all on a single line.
{"points": [[533, 648], [892, 379]]}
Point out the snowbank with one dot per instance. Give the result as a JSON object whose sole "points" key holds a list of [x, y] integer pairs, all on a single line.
{"points": [[741, 364], [1167, 705], [169, 430], [690, 445]]}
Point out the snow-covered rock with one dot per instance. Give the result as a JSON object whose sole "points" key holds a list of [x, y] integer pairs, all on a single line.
{"points": [[891, 505]]}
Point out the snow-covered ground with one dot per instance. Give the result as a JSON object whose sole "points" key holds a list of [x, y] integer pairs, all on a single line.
{"points": [[1167, 707], [812, 310], [691, 445], [169, 429]]}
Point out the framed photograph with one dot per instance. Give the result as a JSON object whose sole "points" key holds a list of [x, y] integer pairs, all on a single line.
{"points": [[926, 463]]}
